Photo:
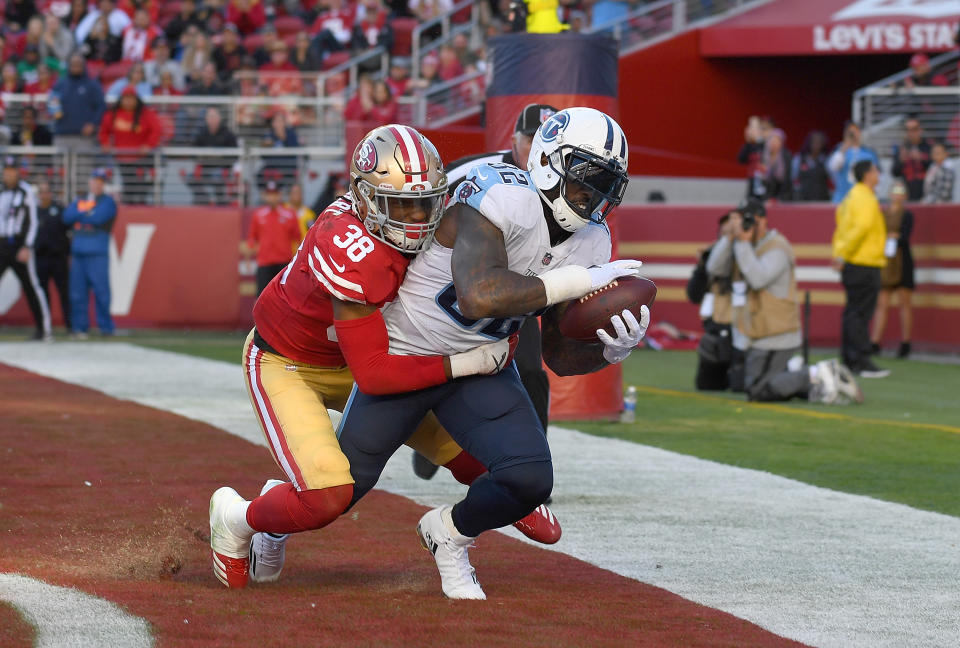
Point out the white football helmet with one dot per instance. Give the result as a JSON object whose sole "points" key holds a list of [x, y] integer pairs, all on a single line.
{"points": [[585, 148], [397, 173]]}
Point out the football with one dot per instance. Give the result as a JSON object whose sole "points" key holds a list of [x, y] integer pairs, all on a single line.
{"points": [[593, 311]]}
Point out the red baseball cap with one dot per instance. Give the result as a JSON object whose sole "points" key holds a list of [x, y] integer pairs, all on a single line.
{"points": [[919, 59]]}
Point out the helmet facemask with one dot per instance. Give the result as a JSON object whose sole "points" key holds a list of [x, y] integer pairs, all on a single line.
{"points": [[403, 219], [589, 187]]}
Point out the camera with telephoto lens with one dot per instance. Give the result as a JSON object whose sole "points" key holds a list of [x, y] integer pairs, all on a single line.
{"points": [[749, 209]]}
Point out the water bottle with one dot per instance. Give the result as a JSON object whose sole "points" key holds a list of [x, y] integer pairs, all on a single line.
{"points": [[629, 414]]}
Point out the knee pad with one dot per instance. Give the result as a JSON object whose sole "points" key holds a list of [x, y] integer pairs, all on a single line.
{"points": [[529, 483]]}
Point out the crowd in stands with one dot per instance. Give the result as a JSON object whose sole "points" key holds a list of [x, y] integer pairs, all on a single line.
{"points": [[817, 172]]}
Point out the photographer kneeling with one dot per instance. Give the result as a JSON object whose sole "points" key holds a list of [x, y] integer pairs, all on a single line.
{"points": [[766, 321]]}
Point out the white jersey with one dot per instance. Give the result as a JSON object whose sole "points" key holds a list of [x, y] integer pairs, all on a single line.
{"points": [[425, 318]]}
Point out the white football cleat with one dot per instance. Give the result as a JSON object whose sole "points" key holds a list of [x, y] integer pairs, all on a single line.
{"points": [[458, 578], [823, 387], [847, 386], [230, 562], [267, 550], [540, 526]]}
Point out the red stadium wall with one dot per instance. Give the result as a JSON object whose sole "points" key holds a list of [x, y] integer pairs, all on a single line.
{"points": [[685, 114], [173, 267], [668, 240], [179, 267]]}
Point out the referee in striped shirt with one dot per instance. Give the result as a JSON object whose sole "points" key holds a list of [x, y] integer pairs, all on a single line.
{"points": [[528, 356], [18, 233]]}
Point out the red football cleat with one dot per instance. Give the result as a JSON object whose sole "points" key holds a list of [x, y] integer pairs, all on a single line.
{"points": [[540, 526], [231, 563]]}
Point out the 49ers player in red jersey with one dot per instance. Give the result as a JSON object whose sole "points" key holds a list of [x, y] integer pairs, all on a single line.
{"points": [[318, 328]]}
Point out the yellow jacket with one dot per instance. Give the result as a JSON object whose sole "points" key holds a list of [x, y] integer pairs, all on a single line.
{"points": [[542, 17], [861, 230]]}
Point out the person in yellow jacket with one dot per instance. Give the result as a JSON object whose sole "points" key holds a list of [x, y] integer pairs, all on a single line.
{"points": [[305, 215], [541, 16], [858, 254]]}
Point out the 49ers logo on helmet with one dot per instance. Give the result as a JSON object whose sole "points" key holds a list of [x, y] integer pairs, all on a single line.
{"points": [[366, 157]]}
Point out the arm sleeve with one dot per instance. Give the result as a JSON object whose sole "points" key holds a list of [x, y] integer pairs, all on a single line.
{"points": [[835, 163], [103, 212], [365, 346], [759, 272], [853, 230], [720, 261], [32, 223]]}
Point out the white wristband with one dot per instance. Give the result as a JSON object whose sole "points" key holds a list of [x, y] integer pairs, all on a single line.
{"points": [[564, 284]]}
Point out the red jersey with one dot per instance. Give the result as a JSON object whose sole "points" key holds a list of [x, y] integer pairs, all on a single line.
{"points": [[277, 231], [338, 258]]}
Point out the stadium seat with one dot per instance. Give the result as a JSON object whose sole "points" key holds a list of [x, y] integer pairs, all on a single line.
{"points": [[334, 59], [114, 71], [403, 35], [252, 42], [289, 25], [95, 68]]}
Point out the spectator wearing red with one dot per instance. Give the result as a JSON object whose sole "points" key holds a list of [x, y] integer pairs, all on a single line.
{"points": [[399, 76], [450, 67], [9, 78], [280, 75], [138, 36], [921, 74], [247, 15], [373, 26], [229, 54], [41, 87], [274, 235], [333, 29], [130, 8], [133, 130], [373, 104]]}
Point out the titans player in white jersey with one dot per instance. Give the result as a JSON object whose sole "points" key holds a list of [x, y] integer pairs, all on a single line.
{"points": [[514, 243]]}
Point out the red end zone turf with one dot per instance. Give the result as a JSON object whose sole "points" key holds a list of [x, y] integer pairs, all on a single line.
{"points": [[137, 536]]}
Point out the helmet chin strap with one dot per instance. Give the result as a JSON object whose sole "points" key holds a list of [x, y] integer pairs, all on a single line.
{"points": [[566, 218]]}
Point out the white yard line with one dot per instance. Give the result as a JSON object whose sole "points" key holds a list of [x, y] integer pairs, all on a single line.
{"points": [[68, 618], [819, 566]]}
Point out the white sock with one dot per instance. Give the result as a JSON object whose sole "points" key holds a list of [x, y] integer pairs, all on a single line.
{"points": [[446, 514], [236, 519], [814, 370]]}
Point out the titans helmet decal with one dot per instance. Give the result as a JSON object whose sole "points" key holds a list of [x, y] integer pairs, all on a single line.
{"points": [[554, 126]]}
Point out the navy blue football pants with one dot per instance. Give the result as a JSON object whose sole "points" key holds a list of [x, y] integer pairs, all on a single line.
{"points": [[491, 417]]}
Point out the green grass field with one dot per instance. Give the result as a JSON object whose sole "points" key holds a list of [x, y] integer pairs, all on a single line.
{"points": [[901, 445]]}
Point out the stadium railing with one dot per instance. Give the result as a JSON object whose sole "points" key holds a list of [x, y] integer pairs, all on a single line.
{"points": [[448, 25], [882, 107], [180, 175], [658, 20]]}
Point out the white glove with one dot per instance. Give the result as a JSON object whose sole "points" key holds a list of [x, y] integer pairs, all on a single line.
{"points": [[573, 282], [629, 333], [483, 360], [604, 274]]}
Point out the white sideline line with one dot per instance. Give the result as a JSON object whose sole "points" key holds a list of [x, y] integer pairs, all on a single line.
{"points": [[68, 618], [818, 566]]}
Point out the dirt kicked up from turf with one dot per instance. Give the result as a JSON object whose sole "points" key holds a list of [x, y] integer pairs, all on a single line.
{"points": [[110, 497]]}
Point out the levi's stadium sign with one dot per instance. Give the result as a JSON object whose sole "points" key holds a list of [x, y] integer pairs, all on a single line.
{"points": [[792, 27], [935, 31]]}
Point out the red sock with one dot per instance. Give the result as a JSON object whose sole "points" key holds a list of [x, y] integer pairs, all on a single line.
{"points": [[465, 468], [284, 509]]}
